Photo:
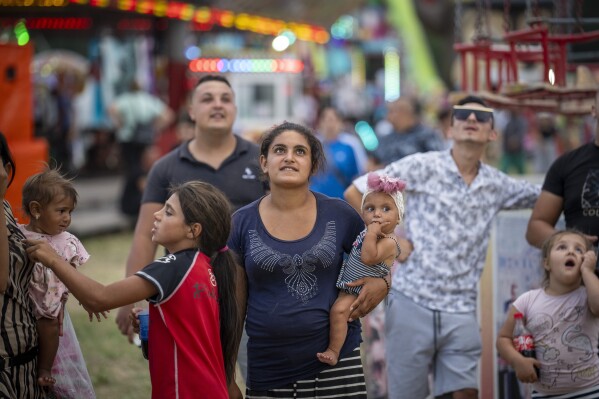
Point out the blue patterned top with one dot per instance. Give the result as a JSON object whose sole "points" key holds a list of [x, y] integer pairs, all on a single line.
{"points": [[449, 223], [291, 288]]}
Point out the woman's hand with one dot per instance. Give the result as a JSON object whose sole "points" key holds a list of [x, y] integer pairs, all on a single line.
{"points": [[374, 290]]}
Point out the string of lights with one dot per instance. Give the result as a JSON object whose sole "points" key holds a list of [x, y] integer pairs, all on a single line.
{"points": [[208, 16]]}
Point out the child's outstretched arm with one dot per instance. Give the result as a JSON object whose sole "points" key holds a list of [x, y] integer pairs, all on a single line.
{"points": [[591, 282], [91, 315], [524, 366], [94, 297], [376, 250]]}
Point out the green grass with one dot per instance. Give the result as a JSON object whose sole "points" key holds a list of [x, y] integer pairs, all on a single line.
{"points": [[117, 368]]}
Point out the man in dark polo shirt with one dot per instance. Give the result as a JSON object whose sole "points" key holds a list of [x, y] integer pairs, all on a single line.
{"points": [[215, 155]]}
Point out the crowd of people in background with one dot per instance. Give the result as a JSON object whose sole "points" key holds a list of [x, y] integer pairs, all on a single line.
{"points": [[266, 236], [529, 141]]}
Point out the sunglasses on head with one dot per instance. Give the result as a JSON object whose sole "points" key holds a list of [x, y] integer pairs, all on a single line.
{"points": [[461, 113]]}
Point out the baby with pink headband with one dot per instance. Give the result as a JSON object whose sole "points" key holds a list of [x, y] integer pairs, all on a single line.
{"points": [[372, 255]]}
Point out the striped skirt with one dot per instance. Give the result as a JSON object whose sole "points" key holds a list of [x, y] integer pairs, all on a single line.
{"points": [[588, 393], [344, 380], [20, 382]]}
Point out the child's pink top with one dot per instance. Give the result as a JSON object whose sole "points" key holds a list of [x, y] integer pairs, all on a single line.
{"points": [[45, 289], [566, 334]]}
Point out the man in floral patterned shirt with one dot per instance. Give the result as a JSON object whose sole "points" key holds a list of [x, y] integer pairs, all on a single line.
{"points": [[452, 198]]}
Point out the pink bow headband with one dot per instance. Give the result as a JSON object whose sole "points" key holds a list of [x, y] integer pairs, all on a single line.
{"points": [[388, 185]]}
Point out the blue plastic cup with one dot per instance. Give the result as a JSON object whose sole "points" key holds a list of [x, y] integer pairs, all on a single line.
{"points": [[144, 329]]}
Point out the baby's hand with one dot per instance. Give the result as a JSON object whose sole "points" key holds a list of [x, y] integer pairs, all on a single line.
{"points": [[375, 227], [589, 261]]}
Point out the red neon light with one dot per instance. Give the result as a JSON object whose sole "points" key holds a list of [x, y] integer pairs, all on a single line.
{"points": [[137, 24], [59, 23], [201, 27], [145, 7], [173, 10]]}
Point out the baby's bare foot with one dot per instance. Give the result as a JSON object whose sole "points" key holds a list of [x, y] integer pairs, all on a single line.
{"points": [[44, 378], [329, 357]]}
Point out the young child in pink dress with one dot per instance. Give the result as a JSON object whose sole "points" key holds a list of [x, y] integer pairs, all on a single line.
{"points": [[563, 317], [48, 200]]}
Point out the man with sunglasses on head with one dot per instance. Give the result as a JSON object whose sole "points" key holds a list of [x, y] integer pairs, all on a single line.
{"points": [[453, 197]]}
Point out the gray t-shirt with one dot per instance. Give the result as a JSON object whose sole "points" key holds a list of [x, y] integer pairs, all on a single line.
{"points": [[238, 177]]}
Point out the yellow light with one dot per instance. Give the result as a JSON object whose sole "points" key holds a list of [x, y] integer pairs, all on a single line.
{"points": [[278, 26], [124, 4], [321, 36], [203, 15], [142, 7], [227, 18], [270, 28], [187, 12], [242, 21]]}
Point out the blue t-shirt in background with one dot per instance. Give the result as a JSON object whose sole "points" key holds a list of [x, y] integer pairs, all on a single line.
{"points": [[341, 169]]}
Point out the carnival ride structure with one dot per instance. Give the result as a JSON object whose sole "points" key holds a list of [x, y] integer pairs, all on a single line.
{"points": [[490, 66]]}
